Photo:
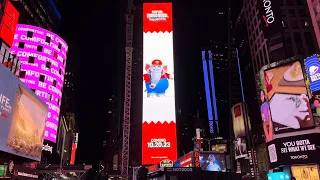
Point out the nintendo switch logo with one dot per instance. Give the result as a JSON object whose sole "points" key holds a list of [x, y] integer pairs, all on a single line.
{"points": [[313, 70], [237, 111]]}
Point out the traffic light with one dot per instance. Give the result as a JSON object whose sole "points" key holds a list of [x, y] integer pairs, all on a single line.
{"points": [[142, 173]]}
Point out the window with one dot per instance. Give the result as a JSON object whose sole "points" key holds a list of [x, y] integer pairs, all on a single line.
{"points": [[41, 78], [309, 41], [48, 64], [22, 74], [59, 45], [284, 23], [33, 90], [21, 45], [305, 24], [39, 48], [298, 40], [60, 71], [55, 55], [54, 83], [292, 13], [29, 34], [294, 24], [302, 13], [290, 2], [31, 60], [58, 102], [48, 39], [300, 2]]}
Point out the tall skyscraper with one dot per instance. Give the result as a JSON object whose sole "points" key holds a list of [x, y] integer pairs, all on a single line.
{"points": [[314, 8], [69, 91], [264, 38], [42, 13], [222, 65], [291, 33]]}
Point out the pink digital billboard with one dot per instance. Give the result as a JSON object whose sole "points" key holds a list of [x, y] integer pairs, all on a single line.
{"points": [[43, 57]]}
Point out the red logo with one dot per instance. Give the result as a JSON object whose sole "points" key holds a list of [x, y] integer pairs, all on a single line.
{"points": [[3, 115], [237, 111], [157, 17]]}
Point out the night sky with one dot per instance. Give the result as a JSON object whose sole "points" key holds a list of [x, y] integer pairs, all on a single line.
{"points": [[91, 29]]}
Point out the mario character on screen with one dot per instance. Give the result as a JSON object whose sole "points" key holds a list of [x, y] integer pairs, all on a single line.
{"points": [[156, 79]]}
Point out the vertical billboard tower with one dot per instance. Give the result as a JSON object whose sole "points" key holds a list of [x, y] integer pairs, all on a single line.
{"points": [[43, 57], [213, 121], [159, 141]]}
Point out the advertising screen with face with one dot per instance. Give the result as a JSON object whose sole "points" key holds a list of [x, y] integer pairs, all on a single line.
{"points": [[285, 105], [159, 118], [23, 118], [43, 59], [212, 162], [241, 148], [289, 104]]}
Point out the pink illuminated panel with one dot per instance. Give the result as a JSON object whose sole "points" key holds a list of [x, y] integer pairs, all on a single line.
{"points": [[43, 58]]}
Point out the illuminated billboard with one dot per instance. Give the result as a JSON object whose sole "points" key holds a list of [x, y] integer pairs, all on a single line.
{"points": [[312, 67], [43, 58], [286, 109], [159, 141], [300, 149], [270, 14], [211, 103], [238, 115], [22, 117], [9, 21]]}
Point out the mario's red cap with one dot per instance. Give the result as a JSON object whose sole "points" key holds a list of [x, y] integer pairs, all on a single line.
{"points": [[157, 62]]}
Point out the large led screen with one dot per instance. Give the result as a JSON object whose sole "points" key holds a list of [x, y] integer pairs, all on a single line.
{"points": [[286, 109], [22, 117], [312, 67], [43, 59], [212, 161], [9, 22], [159, 118]]}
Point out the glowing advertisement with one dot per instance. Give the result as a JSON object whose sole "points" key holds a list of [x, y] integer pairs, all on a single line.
{"points": [[305, 172], [212, 161], [285, 106], [159, 118], [278, 175], [238, 120], [22, 117], [312, 67], [207, 64], [43, 59], [302, 149], [270, 13], [9, 21]]}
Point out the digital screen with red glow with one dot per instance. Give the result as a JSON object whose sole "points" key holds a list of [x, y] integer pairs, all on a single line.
{"points": [[73, 153], [9, 22], [159, 141]]}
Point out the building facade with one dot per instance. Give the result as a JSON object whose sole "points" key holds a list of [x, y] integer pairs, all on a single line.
{"points": [[40, 13], [295, 37], [260, 43], [314, 8]]}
